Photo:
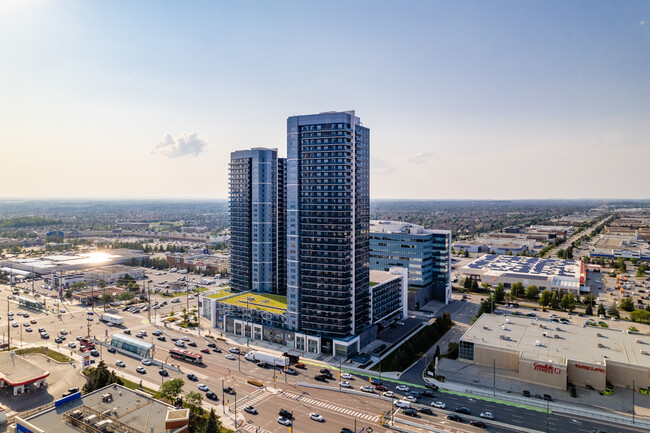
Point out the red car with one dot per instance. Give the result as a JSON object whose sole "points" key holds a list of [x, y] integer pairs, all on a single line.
{"points": [[205, 350], [381, 388]]}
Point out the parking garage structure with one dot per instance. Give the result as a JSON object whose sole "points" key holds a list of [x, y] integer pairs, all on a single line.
{"points": [[555, 355]]}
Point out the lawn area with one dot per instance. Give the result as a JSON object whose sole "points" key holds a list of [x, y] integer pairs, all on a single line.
{"points": [[260, 301], [224, 291], [132, 385], [57, 356]]}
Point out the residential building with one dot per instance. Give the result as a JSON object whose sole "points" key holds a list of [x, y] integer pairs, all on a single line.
{"points": [[425, 253], [328, 205], [256, 212]]}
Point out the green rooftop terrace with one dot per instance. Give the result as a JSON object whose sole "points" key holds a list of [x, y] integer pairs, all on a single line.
{"points": [[259, 301], [223, 291]]}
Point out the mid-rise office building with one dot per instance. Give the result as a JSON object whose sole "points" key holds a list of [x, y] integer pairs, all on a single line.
{"points": [[426, 253], [328, 208], [257, 221]]}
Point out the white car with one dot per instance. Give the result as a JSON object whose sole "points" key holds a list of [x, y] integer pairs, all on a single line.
{"points": [[389, 394], [63, 332], [15, 324], [282, 420], [120, 364], [316, 417], [179, 344], [402, 388], [141, 370], [367, 388], [233, 350], [72, 345], [431, 316], [146, 361], [346, 376], [346, 384], [203, 387], [230, 357], [185, 339], [486, 415], [410, 398], [439, 404]]}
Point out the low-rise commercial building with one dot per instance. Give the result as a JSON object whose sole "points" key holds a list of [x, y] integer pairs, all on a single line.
{"points": [[553, 274], [555, 355], [113, 408]]}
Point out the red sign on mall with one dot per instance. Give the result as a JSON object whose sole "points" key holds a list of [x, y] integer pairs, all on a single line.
{"points": [[546, 368], [590, 368]]}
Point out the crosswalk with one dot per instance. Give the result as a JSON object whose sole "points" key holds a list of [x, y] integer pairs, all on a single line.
{"points": [[327, 406], [250, 400]]}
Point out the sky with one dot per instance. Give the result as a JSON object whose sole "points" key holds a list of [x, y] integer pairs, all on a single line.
{"points": [[464, 99]]}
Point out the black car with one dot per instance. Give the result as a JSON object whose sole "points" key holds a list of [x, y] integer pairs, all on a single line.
{"points": [[426, 411], [229, 390], [285, 414], [427, 393], [320, 378], [432, 386], [94, 352], [346, 430], [192, 377], [212, 345], [191, 343], [477, 423], [162, 338], [163, 372], [127, 331], [111, 350], [410, 412], [58, 340], [211, 396], [326, 371], [251, 410], [462, 409], [454, 417]]}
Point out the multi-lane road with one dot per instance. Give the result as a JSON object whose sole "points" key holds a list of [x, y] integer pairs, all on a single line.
{"points": [[284, 391]]}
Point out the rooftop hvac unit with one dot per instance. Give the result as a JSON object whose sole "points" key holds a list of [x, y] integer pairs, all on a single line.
{"points": [[556, 336], [538, 343], [507, 320], [503, 327], [545, 334], [598, 334], [501, 336], [486, 328], [638, 340], [643, 352], [600, 345]]}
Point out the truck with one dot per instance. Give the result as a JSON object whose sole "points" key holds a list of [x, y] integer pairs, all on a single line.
{"points": [[276, 361], [112, 318]]}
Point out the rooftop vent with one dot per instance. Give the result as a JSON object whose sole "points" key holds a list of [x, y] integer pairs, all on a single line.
{"points": [[538, 343], [600, 345]]}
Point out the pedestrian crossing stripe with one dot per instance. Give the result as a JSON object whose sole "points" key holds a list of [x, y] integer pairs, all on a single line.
{"points": [[331, 407]]}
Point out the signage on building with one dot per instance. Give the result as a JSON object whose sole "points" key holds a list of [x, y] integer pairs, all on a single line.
{"points": [[590, 368], [546, 368]]}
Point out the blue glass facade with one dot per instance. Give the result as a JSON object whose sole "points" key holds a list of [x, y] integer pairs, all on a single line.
{"points": [[257, 221], [426, 254], [328, 199]]}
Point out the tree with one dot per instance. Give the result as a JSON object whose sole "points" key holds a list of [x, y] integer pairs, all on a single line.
{"points": [[589, 299], [517, 290], [474, 287], [555, 300], [627, 304], [465, 254], [171, 389], [106, 298], [568, 302], [589, 311], [601, 310], [640, 271], [545, 298], [101, 284], [499, 293], [620, 263], [640, 316], [613, 310], [125, 296], [560, 253], [194, 400], [532, 292], [211, 426]]}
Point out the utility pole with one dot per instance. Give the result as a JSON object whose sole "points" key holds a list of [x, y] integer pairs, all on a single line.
{"points": [[8, 328], [223, 396], [494, 377], [633, 385], [547, 406]]}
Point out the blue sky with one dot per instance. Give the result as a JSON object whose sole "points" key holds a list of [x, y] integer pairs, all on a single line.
{"points": [[480, 100]]}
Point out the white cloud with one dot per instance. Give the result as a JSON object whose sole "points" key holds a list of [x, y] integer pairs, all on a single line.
{"points": [[641, 23], [186, 144], [420, 158], [379, 166]]}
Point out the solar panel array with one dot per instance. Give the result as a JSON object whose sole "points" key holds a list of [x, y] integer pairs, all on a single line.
{"points": [[526, 265]]}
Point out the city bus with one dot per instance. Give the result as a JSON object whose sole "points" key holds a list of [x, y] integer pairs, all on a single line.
{"points": [[186, 356]]}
